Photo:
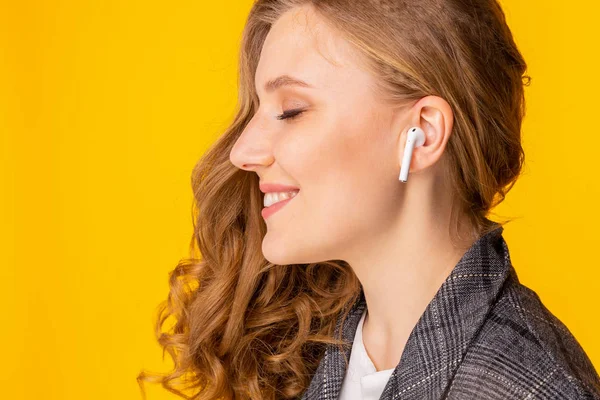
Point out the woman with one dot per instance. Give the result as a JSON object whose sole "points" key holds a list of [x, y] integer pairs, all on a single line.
{"points": [[359, 286]]}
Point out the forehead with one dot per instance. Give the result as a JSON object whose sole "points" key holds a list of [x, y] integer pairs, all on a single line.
{"points": [[303, 45]]}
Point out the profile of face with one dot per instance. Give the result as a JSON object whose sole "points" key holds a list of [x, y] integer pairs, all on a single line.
{"points": [[341, 149]]}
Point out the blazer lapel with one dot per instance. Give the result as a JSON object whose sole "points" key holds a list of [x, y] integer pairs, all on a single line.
{"points": [[439, 340]]}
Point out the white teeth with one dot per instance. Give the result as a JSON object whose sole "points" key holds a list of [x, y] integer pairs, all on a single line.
{"points": [[274, 197]]}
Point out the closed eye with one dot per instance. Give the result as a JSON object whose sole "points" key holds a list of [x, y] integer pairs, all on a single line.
{"points": [[290, 114]]}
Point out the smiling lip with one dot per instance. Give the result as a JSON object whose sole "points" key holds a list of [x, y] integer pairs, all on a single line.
{"points": [[267, 211], [276, 187]]}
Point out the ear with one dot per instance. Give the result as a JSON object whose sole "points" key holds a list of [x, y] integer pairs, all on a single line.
{"points": [[434, 115]]}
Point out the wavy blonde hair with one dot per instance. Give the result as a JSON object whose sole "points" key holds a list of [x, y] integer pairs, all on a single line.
{"points": [[245, 328]]}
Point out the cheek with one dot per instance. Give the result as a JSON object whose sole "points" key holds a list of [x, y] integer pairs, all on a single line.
{"points": [[349, 176]]}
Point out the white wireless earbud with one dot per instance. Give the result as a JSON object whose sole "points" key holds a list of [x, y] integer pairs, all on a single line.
{"points": [[416, 138]]}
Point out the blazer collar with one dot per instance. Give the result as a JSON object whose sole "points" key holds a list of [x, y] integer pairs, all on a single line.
{"points": [[439, 340]]}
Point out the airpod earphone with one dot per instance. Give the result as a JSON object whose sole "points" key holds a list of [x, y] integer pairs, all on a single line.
{"points": [[416, 138]]}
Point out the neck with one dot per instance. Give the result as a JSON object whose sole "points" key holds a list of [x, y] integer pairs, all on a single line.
{"points": [[402, 269]]}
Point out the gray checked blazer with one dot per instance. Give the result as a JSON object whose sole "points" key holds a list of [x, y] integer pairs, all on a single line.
{"points": [[484, 335]]}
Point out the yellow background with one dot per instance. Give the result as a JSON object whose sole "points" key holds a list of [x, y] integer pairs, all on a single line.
{"points": [[106, 105]]}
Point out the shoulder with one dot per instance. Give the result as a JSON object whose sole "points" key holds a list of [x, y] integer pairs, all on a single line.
{"points": [[525, 351]]}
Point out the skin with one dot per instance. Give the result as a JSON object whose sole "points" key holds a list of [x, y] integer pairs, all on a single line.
{"points": [[344, 153]]}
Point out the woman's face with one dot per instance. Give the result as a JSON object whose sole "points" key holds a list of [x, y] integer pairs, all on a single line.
{"points": [[341, 151]]}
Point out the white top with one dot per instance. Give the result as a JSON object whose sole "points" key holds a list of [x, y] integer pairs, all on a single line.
{"points": [[362, 380]]}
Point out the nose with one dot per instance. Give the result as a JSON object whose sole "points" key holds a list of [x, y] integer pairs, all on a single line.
{"points": [[252, 149]]}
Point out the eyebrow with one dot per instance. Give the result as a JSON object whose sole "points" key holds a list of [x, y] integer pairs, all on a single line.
{"points": [[284, 80]]}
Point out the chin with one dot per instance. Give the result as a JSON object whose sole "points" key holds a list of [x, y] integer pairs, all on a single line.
{"points": [[277, 252], [274, 252]]}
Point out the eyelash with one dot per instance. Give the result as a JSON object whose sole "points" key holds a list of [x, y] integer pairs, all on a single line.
{"points": [[290, 114]]}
